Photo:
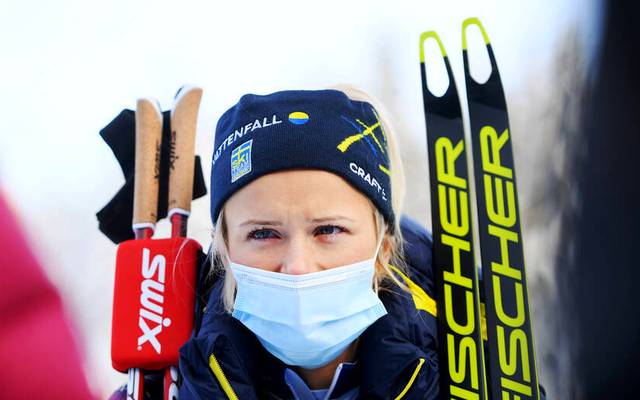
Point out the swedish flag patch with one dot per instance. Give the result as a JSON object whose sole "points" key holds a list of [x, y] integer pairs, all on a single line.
{"points": [[241, 160]]}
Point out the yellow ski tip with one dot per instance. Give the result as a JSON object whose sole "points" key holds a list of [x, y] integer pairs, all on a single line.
{"points": [[472, 21], [433, 35]]}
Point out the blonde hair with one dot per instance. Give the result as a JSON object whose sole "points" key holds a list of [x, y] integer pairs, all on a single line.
{"points": [[391, 249]]}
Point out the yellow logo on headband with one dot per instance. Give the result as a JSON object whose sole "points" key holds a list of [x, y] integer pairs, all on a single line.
{"points": [[298, 118], [367, 133]]}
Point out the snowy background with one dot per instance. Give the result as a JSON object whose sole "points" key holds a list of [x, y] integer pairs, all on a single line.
{"points": [[68, 68]]}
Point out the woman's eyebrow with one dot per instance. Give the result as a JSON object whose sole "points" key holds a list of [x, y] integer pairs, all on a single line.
{"points": [[260, 222], [330, 218]]}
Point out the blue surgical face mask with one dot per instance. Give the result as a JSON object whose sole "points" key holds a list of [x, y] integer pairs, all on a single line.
{"points": [[307, 320]]}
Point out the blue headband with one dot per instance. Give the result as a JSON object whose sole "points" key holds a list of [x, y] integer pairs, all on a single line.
{"points": [[297, 129]]}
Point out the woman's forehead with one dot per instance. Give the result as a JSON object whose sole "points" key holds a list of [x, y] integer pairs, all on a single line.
{"points": [[312, 195]]}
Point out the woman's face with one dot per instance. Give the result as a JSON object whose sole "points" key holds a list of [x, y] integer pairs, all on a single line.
{"points": [[299, 221]]}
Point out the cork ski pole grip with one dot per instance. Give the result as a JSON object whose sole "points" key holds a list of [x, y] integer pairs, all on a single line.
{"points": [[147, 167], [184, 116]]}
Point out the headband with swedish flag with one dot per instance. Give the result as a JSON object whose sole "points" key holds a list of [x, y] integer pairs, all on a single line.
{"points": [[296, 129]]}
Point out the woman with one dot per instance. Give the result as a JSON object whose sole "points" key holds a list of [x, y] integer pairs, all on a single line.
{"points": [[314, 299]]}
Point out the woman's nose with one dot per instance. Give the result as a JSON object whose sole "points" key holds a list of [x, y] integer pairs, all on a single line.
{"points": [[298, 258]]}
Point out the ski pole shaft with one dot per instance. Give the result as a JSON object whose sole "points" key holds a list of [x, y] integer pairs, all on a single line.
{"points": [[145, 198], [181, 163]]}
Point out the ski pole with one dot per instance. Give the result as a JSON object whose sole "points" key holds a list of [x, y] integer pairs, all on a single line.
{"points": [[145, 198], [181, 163]]}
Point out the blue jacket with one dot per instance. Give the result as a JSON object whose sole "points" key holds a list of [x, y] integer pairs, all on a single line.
{"points": [[397, 355]]}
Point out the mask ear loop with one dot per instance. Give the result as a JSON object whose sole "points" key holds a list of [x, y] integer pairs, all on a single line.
{"points": [[380, 240], [226, 255], [375, 256]]}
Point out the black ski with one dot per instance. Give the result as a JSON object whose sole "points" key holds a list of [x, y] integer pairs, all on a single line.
{"points": [[462, 373], [511, 357]]}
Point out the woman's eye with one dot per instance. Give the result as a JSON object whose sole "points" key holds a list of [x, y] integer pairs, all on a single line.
{"points": [[261, 234], [329, 230]]}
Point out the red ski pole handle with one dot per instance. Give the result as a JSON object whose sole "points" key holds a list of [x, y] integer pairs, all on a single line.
{"points": [[154, 296]]}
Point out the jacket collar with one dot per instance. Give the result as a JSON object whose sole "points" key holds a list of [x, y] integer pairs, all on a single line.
{"points": [[387, 347], [384, 351], [263, 369]]}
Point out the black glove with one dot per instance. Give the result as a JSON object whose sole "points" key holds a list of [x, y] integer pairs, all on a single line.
{"points": [[115, 218]]}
